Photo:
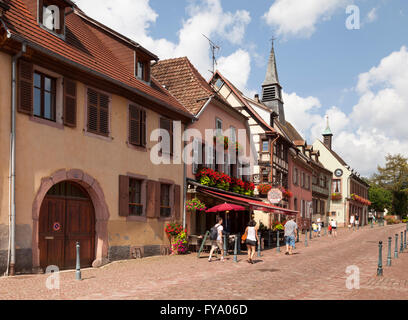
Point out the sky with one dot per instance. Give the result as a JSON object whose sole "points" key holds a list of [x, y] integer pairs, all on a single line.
{"points": [[346, 59]]}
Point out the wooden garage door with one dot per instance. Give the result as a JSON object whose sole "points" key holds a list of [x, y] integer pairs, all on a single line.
{"points": [[66, 216]]}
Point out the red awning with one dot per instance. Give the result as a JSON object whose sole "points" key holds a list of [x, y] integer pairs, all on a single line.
{"points": [[254, 204]]}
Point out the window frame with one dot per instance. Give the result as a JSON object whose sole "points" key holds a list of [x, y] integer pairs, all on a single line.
{"points": [[42, 93], [171, 200]]}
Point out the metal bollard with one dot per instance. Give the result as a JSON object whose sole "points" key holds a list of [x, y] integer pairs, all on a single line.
{"points": [[310, 234], [239, 244], [396, 246], [236, 248], [225, 244], [325, 231], [354, 227], [277, 241], [78, 262], [297, 231], [405, 239], [389, 252], [269, 239], [372, 223], [259, 244], [402, 243], [306, 238], [380, 269]]}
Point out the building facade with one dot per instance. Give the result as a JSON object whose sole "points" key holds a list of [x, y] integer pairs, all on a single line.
{"points": [[86, 107], [349, 192]]}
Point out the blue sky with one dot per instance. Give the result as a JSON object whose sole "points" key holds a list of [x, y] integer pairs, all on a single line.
{"points": [[357, 77]]}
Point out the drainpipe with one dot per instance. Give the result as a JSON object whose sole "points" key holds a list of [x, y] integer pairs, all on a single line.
{"points": [[12, 184], [272, 145]]}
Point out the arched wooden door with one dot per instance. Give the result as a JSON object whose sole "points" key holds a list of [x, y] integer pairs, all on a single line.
{"points": [[66, 216]]}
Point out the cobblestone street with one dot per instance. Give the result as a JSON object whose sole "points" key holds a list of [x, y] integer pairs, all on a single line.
{"points": [[314, 272]]}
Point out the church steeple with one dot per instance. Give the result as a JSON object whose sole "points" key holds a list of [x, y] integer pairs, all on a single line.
{"points": [[328, 135], [271, 88]]}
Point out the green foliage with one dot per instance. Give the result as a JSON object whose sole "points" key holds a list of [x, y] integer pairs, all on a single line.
{"points": [[394, 177], [380, 198]]}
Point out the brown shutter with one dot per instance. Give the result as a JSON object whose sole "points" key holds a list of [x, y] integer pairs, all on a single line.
{"points": [[134, 125], [104, 114], [143, 127], [92, 111], [177, 206], [123, 196], [157, 199], [25, 87], [70, 103]]}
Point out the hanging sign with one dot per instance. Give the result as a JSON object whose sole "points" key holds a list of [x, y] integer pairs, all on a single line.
{"points": [[56, 226], [275, 196]]}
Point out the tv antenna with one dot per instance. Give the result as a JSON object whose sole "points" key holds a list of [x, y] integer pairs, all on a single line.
{"points": [[214, 48]]}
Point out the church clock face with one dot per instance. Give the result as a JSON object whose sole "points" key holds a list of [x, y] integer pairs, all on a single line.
{"points": [[338, 173]]}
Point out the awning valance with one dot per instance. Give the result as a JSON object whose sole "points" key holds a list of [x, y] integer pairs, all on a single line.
{"points": [[254, 204]]}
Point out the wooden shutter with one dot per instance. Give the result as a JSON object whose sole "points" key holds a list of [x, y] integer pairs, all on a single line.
{"points": [[25, 87], [177, 206], [123, 196], [92, 111], [157, 199], [70, 103], [167, 125], [151, 199], [143, 129], [134, 125], [103, 114]]}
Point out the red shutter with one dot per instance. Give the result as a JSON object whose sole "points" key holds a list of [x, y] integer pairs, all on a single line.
{"points": [[134, 125], [123, 196], [25, 87], [177, 201], [70, 103]]}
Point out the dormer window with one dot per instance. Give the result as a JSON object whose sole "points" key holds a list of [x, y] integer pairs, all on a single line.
{"points": [[51, 15], [142, 68]]}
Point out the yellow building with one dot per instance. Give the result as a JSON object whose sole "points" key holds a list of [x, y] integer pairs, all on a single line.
{"points": [[85, 107]]}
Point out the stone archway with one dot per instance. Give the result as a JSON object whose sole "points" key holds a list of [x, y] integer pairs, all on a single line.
{"points": [[101, 212]]}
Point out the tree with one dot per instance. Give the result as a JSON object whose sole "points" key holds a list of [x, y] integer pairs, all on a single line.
{"points": [[380, 198], [394, 177]]}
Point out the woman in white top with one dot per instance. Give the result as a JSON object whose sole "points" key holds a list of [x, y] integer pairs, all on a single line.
{"points": [[334, 227], [251, 233]]}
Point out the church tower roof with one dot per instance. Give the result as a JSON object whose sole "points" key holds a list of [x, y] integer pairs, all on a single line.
{"points": [[271, 71]]}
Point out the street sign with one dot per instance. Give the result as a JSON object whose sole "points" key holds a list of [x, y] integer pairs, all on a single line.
{"points": [[275, 196]]}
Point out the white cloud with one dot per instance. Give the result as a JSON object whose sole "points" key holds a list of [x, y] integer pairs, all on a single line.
{"points": [[134, 17], [372, 15], [237, 66], [377, 124], [299, 17]]}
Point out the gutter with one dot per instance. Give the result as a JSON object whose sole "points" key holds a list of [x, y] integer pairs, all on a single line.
{"points": [[203, 108], [12, 184]]}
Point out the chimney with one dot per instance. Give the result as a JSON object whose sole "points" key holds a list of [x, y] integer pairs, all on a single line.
{"points": [[257, 98], [274, 116]]}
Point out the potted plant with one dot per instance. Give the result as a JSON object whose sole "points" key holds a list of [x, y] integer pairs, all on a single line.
{"points": [[195, 205], [263, 190], [336, 196], [173, 230]]}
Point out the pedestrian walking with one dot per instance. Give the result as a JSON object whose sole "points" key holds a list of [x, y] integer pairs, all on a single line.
{"points": [[357, 220], [319, 227], [216, 238], [290, 232], [333, 224], [251, 237], [351, 222], [315, 229]]}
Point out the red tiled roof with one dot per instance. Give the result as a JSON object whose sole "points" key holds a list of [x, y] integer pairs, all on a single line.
{"points": [[84, 47], [183, 80]]}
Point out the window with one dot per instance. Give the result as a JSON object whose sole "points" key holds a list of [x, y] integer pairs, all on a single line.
{"points": [[44, 96], [140, 70], [137, 126], [219, 83], [265, 146], [135, 197], [165, 208], [98, 113], [167, 125], [295, 204], [322, 207], [51, 16], [308, 183], [142, 67], [337, 186], [296, 176], [302, 182], [233, 135], [218, 126]]}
